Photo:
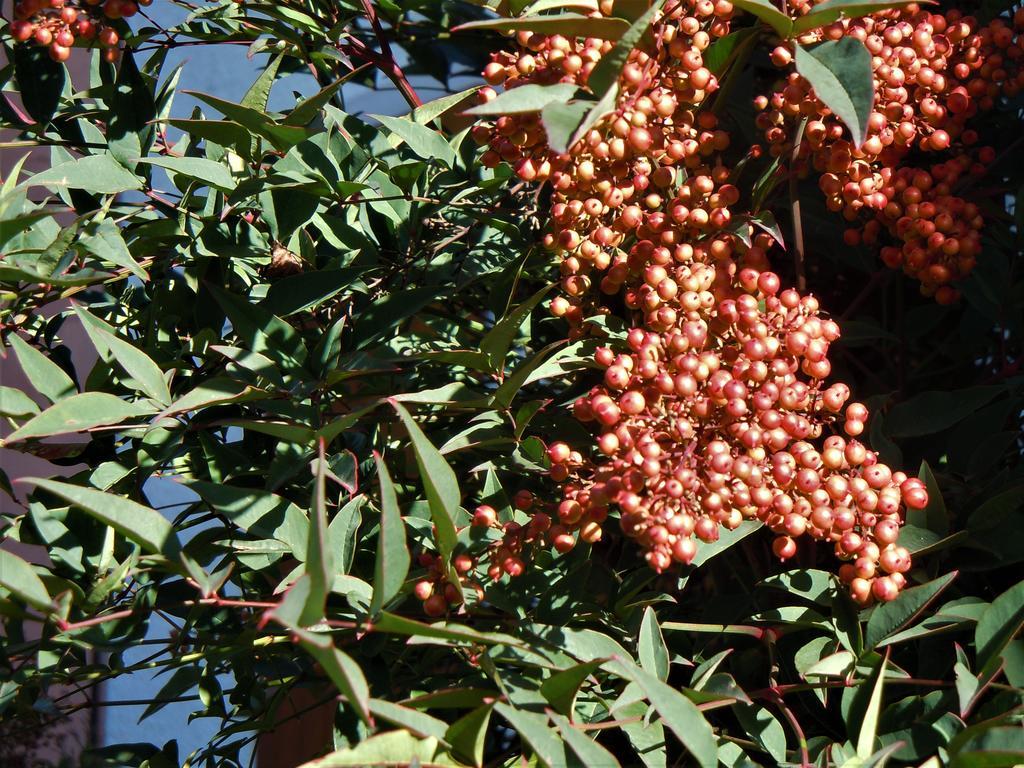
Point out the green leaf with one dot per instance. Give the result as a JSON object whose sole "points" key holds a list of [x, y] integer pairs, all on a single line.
{"points": [[341, 668], [146, 527], [78, 413], [568, 24], [319, 557], [762, 726], [525, 98], [589, 752], [991, 747], [439, 482], [809, 583], [605, 74], [936, 410], [97, 174], [133, 360], [399, 625], [934, 516], [832, 10], [498, 341], [840, 73], [258, 94], [392, 564], [998, 625], [651, 648], [468, 735], [725, 540], [561, 688], [889, 618], [15, 403], [394, 749], [869, 724], [261, 330], [105, 241], [208, 172], [297, 293], [424, 141], [45, 375], [432, 110], [18, 578], [769, 14], [562, 121], [418, 722], [722, 51], [533, 729], [678, 713]]}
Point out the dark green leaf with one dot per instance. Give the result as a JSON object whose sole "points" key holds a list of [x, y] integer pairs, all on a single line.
{"points": [[392, 564], [840, 73], [146, 527]]}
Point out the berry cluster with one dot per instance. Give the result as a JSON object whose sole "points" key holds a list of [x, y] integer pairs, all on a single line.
{"points": [[932, 73], [59, 24], [715, 409]]}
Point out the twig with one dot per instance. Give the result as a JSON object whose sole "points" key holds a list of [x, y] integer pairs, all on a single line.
{"points": [[799, 257]]}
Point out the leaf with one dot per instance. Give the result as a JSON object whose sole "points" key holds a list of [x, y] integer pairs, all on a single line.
{"points": [[525, 98], [889, 618], [394, 749], [468, 734], [725, 540], [258, 95], [133, 360], [41, 80], [992, 747], [146, 527], [722, 51], [562, 121], [934, 516], [341, 668], [418, 722], [814, 585], [605, 74], [869, 724], [15, 403], [45, 375], [651, 649], [835, 665], [936, 410], [392, 564], [105, 241], [18, 578], [498, 341], [998, 625], [840, 73], [319, 557], [298, 293], [432, 110], [678, 713], [589, 752], [78, 413], [261, 330], [561, 688], [568, 24], [765, 729], [831, 10], [769, 14], [424, 141], [97, 174], [533, 729], [208, 172], [399, 625], [439, 482]]}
